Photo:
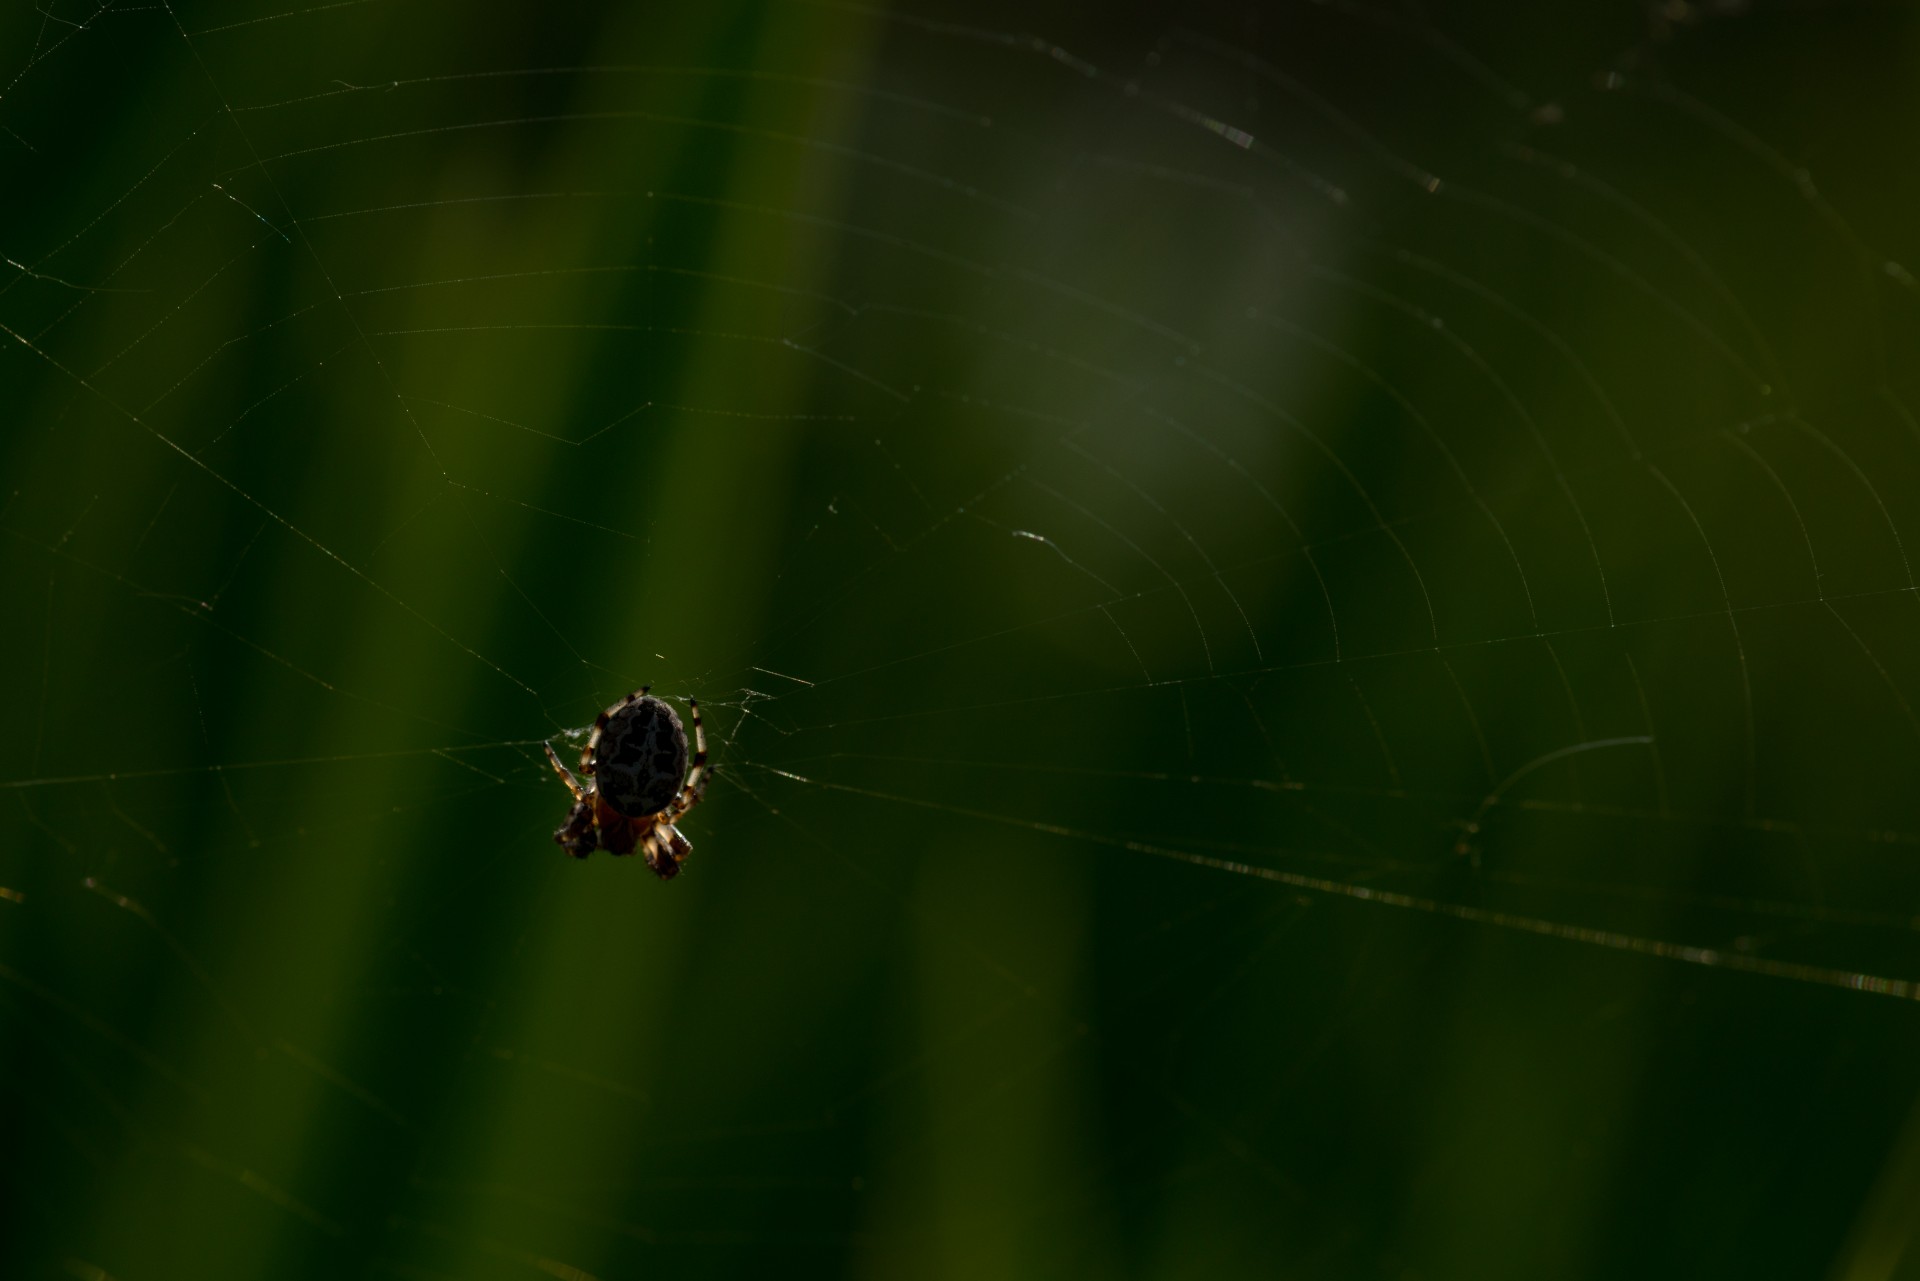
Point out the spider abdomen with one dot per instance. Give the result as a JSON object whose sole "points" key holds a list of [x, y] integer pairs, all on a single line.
{"points": [[639, 757]]}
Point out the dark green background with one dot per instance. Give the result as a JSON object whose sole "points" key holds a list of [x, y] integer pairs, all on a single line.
{"points": [[1259, 576]]}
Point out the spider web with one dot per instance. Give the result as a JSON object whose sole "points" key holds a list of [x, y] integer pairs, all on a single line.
{"points": [[1304, 617]]}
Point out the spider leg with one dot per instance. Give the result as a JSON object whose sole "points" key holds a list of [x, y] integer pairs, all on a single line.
{"points": [[573, 784], [578, 836], [697, 775], [665, 847], [677, 845]]}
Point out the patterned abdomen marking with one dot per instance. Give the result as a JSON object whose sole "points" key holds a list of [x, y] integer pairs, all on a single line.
{"points": [[641, 758]]}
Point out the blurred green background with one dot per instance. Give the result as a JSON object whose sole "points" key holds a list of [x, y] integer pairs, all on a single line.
{"points": [[1306, 614]]}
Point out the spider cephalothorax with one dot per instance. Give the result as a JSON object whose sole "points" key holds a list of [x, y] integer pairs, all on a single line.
{"points": [[638, 786]]}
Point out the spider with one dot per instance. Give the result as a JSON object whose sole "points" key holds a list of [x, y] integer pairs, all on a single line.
{"points": [[638, 783]]}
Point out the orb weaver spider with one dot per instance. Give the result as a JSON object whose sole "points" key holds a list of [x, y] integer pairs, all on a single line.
{"points": [[638, 783]]}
